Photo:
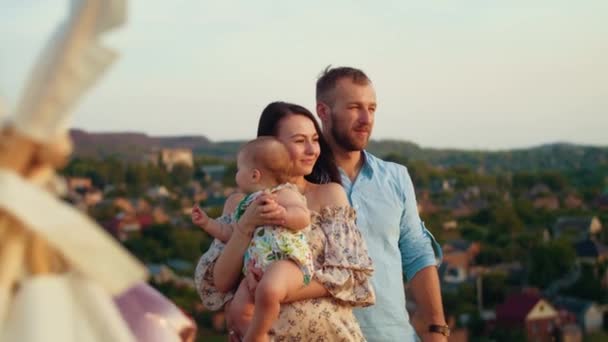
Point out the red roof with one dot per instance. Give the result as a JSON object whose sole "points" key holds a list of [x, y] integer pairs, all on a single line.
{"points": [[145, 220], [516, 307]]}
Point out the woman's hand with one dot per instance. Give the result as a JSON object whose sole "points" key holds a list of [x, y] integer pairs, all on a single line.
{"points": [[264, 210]]}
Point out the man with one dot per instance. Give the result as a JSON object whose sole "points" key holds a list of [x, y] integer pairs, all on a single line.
{"points": [[382, 193]]}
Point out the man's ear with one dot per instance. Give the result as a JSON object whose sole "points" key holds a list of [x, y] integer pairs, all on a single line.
{"points": [[323, 112]]}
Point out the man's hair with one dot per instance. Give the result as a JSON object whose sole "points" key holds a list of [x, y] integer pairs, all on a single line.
{"points": [[270, 156], [328, 79]]}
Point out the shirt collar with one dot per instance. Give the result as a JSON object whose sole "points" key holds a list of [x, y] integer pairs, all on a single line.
{"points": [[366, 171], [367, 168]]}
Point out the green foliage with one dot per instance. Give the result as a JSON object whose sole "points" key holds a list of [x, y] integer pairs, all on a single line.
{"points": [[114, 171], [103, 212], [472, 232], [503, 220], [490, 255], [549, 262], [589, 285], [507, 334], [462, 301], [494, 289], [530, 215], [476, 327], [159, 243], [147, 250], [181, 174]]}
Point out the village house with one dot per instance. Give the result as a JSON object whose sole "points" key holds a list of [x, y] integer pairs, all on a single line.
{"points": [[170, 157], [458, 255], [588, 314], [531, 313], [548, 202], [572, 201], [577, 228]]}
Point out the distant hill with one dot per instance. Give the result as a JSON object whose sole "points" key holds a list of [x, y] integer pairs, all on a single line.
{"points": [[560, 156], [129, 145]]}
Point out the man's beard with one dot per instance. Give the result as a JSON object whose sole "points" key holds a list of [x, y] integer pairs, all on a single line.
{"points": [[344, 141]]}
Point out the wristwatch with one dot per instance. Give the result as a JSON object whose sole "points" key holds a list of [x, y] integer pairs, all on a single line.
{"points": [[440, 329]]}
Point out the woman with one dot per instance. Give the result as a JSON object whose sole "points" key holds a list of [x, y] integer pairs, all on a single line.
{"points": [[342, 265]]}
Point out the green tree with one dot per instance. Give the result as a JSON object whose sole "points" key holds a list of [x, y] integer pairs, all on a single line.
{"points": [[494, 289], [489, 255], [502, 218], [549, 262], [589, 285], [554, 180], [181, 174], [186, 243]]}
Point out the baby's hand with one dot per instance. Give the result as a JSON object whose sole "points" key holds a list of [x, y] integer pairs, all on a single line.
{"points": [[199, 217]]}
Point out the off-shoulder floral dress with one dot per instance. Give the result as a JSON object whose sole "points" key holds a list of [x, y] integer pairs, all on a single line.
{"points": [[341, 264]]}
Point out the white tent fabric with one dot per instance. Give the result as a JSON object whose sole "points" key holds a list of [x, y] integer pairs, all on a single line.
{"points": [[72, 61], [64, 308], [83, 243]]}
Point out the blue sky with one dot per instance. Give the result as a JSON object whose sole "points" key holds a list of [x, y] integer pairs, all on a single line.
{"points": [[462, 74]]}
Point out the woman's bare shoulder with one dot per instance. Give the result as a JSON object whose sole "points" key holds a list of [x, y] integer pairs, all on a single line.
{"points": [[330, 194]]}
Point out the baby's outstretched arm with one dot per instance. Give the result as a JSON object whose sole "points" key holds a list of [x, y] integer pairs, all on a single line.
{"points": [[297, 215], [218, 230]]}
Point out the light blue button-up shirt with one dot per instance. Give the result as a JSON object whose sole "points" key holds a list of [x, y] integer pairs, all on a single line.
{"points": [[387, 216]]}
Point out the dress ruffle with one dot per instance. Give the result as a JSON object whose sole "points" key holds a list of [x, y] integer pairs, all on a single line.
{"points": [[346, 266]]}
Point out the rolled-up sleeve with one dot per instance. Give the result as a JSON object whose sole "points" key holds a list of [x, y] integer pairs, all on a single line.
{"points": [[418, 246]]}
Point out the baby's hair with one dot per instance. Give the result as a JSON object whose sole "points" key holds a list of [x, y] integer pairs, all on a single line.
{"points": [[269, 155]]}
